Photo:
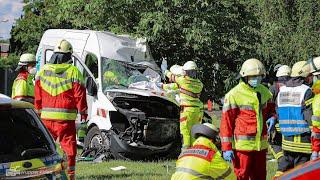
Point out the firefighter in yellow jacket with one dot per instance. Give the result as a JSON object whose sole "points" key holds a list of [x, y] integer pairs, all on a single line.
{"points": [[190, 88], [315, 119], [23, 87], [202, 160]]}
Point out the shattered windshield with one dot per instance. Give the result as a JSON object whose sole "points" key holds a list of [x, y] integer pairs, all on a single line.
{"points": [[123, 75]]}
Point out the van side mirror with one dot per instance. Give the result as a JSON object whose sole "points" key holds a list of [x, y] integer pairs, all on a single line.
{"points": [[91, 86]]}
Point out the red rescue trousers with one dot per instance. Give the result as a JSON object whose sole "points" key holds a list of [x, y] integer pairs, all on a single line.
{"points": [[66, 132], [250, 165]]}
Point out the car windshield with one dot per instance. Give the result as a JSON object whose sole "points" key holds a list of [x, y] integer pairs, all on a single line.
{"points": [[23, 136], [123, 75]]}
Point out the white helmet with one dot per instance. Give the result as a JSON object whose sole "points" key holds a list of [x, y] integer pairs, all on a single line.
{"points": [[27, 58], [252, 67], [283, 70], [190, 65], [177, 70], [315, 65], [300, 69]]}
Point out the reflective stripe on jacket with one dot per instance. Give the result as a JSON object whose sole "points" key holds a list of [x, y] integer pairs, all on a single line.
{"points": [[243, 124], [189, 88], [202, 161], [290, 103], [298, 143], [60, 93], [315, 137], [23, 88]]}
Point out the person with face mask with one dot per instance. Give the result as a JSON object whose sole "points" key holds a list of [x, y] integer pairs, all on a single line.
{"points": [[23, 87], [294, 116], [243, 129], [274, 135]]}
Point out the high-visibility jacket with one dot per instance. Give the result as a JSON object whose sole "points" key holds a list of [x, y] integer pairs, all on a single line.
{"points": [[189, 88], [23, 88], [202, 161], [243, 124], [60, 93], [293, 115], [315, 137], [290, 103]]}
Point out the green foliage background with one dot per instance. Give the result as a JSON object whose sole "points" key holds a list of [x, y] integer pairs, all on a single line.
{"points": [[218, 35]]}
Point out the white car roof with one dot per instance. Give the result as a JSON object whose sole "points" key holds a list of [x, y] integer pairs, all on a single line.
{"points": [[104, 43], [7, 103]]}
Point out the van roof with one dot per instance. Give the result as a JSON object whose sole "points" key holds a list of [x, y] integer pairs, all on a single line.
{"points": [[7, 103], [104, 43]]}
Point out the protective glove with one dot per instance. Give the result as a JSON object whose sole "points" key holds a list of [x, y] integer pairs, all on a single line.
{"points": [[159, 85], [228, 155], [82, 131], [314, 155], [271, 123], [164, 66]]}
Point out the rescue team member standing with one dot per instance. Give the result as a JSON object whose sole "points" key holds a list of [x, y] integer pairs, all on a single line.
{"points": [[23, 88], [274, 134], [245, 110], [203, 160], [190, 88], [59, 96], [315, 137], [294, 116]]}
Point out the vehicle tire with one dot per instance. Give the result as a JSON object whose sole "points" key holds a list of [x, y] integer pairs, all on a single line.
{"points": [[97, 140]]}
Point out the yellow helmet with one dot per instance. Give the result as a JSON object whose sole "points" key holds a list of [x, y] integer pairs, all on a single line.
{"points": [[283, 70], [177, 70], [315, 65], [300, 69], [27, 58], [63, 46], [190, 65], [252, 67]]}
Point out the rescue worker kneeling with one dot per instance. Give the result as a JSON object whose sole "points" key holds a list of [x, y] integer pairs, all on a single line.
{"points": [[202, 160]]}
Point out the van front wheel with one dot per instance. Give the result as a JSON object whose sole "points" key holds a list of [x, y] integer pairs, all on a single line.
{"points": [[97, 140]]}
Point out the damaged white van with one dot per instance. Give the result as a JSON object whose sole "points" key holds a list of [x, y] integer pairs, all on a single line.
{"points": [[129, 117]]}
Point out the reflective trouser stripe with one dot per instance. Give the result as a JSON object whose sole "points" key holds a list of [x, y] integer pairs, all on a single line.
{"points": [[193, 172], [278, 154], [226, 174], [59, 113]]}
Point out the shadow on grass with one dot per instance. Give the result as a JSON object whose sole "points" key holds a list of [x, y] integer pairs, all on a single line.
{"points": [[118, 176]]}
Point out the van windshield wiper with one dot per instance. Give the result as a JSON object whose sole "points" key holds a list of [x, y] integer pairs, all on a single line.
{"points": [[35, 151]]}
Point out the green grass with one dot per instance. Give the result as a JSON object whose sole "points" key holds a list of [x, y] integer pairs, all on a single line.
{"points": [[137, 170]]}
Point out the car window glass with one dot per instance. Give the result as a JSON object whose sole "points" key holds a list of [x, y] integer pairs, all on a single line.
{"points": [[22, 136], [92, 63], [49, 53]]}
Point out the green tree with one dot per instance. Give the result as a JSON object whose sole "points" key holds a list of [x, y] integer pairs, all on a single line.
{"points": [[289, 30], [219, 36]]}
